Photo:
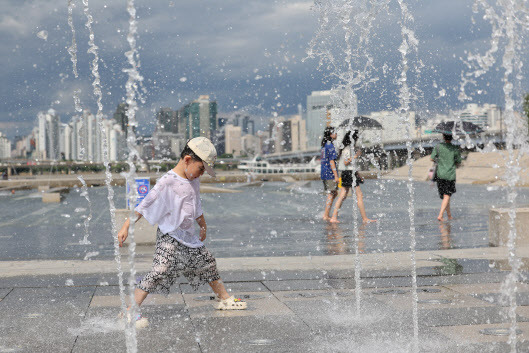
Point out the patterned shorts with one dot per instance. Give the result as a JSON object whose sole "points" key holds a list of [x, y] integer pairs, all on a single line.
{"points": [[172, 260], [330, 186]]}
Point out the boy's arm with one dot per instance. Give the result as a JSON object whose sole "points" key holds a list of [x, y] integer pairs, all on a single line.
{"points": [[203, 227], [333, 168], [434, 154], [124, 231]]}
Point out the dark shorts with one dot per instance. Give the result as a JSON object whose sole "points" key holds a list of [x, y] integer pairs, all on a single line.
{"points": [[172, 260], [347, 179], [330, 186], [446, 187]]}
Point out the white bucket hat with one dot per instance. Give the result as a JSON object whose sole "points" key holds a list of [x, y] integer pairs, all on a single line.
{"points": [[205, 150]]}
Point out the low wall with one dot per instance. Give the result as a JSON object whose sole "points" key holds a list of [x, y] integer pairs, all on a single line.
{"points": [[144, 232], [90, 179], [499, 226]]}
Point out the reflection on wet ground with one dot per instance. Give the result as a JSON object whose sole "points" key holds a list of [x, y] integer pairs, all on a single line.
{"points": [[270, 220]]}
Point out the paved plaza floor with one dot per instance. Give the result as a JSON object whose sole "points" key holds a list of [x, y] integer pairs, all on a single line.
{"points": [[295, 271], [297, 304]]}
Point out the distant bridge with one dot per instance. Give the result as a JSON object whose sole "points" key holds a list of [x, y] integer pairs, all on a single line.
{"points": [[398, 148]]}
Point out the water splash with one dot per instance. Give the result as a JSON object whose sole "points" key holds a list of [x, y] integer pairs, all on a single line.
{"points": [[341, 44], [509, 286], [86, 222], [72, 50], [96, 84], [131, 86], [43, 35], [508, 19], [409, 44]]}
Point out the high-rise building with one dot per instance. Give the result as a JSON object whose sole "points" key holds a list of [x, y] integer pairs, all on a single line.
{"points": [[394, 127], [221, 122], [248, 126], [287, 134], [485, 116], [280, 132], [318, 104], [167, 145], [65, 145], [23, 146], [298, 133], [48, 135], [251, 145], [232, 139], [120, 116], [167, 120], [198, 118], [5, 147]]}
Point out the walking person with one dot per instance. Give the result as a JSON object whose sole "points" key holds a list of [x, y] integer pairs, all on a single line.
{"points": [[329, 171], [448, 157], [174, 204], [349, 172]]}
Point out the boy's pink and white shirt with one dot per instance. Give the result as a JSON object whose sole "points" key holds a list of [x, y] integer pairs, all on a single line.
{"points": [[174, 204]]}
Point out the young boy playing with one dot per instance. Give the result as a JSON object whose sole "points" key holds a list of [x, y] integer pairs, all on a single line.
{"points": [[174, 204]]}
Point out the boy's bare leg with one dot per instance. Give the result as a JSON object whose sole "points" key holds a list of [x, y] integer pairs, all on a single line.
{"points": [[328, 204], [139, 296], [444, 205], [361, 207], [448, 213], [338, 205], [219, 289]]}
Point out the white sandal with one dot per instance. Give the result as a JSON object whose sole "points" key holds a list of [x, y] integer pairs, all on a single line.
{"points": [[231, 303], [141, 321]]}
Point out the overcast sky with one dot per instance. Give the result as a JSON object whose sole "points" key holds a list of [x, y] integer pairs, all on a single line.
{"points": [[248, 55]]}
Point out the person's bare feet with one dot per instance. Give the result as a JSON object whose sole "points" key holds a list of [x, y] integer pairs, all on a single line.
{"points": [[440, 219], [367, 220], [334, 220], [326, 218]]}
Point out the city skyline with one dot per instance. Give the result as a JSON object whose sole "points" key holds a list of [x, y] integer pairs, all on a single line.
{"points": [[254, 65], [82, 138]]}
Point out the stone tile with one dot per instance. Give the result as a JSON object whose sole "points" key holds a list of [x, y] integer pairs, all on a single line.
{"points": [[169, 330], [38, 319], [471, 333], [309, 295], [48, 296], [4, 292], [258, 334], [464, 316], [404, 301], [495, 277], [274, 275], [152, 299], [114, 290], [522, 299], [269, 305], [475, 288], [60, 280], [231, 287], [386, 282], [308, 284]]}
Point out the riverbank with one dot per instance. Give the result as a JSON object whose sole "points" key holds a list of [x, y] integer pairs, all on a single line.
{"points": [[99, 179], [477, 168]]}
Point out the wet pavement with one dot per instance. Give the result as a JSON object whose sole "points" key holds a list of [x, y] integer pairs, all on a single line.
{"points": [[295, 271], [289, 311], [260, 221]]}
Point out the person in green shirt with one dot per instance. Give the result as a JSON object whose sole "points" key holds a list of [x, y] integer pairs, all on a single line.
{"points": [[448, 157]]}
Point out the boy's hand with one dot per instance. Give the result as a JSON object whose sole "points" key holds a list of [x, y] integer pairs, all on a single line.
{"points": [[202, 234], [122, 235]]}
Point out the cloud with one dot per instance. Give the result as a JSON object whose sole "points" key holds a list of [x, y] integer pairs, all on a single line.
{"points": [[243, 53]]}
